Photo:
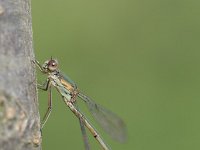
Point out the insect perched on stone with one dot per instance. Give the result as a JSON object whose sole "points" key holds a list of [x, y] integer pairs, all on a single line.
{"points": [[109, 121]]}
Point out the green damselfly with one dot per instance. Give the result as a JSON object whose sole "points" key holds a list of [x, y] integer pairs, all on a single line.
{"points": [[109, 121]]}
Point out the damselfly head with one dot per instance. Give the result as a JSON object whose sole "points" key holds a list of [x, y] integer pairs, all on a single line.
{"points": [[50, 65]]}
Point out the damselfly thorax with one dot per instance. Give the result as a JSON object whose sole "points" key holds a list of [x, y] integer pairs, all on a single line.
{"points": [[63, 86]]}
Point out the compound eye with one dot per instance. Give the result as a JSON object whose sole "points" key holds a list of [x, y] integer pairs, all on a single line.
{"points": [[52, 65]]}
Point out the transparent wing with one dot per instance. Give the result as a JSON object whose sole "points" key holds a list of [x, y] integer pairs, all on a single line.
{"points": [[109, 121]]}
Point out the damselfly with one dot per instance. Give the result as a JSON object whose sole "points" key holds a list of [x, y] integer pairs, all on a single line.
{"points": [[109, 121]]}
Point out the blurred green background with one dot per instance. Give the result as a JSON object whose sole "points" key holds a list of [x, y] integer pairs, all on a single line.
{"points": [[138, 58]]}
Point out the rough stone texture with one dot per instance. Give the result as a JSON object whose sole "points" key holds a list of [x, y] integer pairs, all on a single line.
{"points": [[19, 117]]}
